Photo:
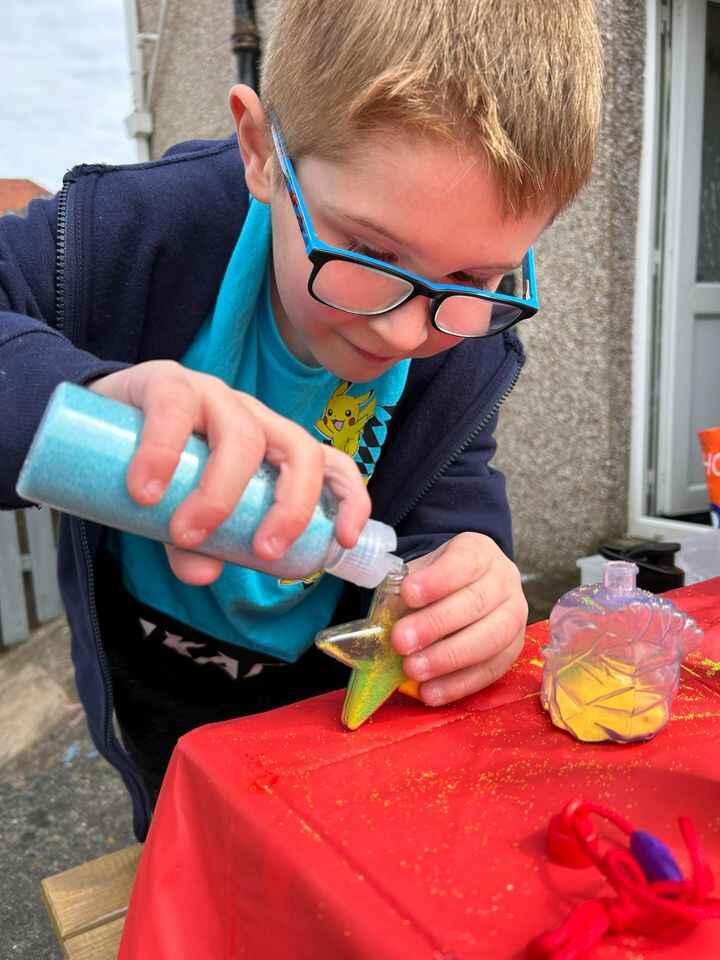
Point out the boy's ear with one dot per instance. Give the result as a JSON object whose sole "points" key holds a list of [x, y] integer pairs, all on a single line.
{"points": [[254, 140]]}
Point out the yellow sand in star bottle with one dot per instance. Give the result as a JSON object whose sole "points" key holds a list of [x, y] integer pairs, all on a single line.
{"points": [[365, 646]]}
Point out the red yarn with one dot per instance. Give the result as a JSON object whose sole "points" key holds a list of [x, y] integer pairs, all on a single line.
{"points": [[661, 908]]}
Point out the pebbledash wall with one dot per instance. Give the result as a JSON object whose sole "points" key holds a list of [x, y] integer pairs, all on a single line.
{"points": [[564, 435]]}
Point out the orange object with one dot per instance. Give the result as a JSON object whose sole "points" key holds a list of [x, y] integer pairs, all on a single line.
{"points": [[411, 688], [710, 444]]}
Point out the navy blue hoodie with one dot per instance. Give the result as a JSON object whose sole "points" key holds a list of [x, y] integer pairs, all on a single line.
{"points": [[123, 266]]}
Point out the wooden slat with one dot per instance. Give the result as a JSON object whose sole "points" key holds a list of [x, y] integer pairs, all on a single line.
{"points": [[13, 611], [91, 895], [102, 943], [41, 541]]}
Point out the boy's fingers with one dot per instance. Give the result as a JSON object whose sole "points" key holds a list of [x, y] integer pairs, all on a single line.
{"points": [[460, 561], [240, 432], [469, 680], [478, 643], [299, 460], [304, 466], [237, 446], [343, 478], [470, 604], [171, 412], [193, 568]]}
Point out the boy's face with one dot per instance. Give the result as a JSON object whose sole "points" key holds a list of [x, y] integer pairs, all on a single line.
{"points": [[420, 204]]}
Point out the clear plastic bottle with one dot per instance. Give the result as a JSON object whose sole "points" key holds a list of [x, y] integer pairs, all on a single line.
{"points": [[364, 645], [612, 666], [79, 460]]}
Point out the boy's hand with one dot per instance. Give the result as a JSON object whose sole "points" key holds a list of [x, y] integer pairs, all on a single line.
{"points": [[469, 618], [241, 432]]}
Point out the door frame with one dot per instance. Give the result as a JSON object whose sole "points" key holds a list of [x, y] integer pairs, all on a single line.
{"points": [[677, 490], [649, 281]]}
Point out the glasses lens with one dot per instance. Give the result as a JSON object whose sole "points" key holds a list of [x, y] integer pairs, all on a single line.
{"points": [[473, 317], [359, 289], [513, 284]]}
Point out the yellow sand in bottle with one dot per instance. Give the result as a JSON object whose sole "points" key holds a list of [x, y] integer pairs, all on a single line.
{"points": [[364, 645], [605, 700], [375, 677]]}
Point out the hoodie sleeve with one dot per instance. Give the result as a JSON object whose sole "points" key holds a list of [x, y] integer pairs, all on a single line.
{"points": [[34, 358]]}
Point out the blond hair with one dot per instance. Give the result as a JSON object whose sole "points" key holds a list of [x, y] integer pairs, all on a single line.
{"points": [[518, 80]]}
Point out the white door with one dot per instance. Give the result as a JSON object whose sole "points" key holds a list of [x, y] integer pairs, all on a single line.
{"points": [[689, 381]]}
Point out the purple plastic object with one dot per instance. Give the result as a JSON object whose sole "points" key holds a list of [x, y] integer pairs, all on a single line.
{"points": [[613, 663], [654, 857]]}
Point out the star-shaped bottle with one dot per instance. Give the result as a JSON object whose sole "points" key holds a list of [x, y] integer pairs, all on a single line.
{"points": [[364, 645]]}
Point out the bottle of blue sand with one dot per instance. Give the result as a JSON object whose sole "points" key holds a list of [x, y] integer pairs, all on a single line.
{"points": [[79, 460]]}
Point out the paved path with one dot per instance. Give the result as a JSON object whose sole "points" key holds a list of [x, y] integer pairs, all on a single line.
{"points": [[61, 804]]}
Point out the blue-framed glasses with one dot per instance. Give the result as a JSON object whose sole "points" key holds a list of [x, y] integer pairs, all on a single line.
{"points": [[356, 283]]}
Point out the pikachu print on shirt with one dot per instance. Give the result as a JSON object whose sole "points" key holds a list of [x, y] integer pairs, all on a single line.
{"points": [[345, 417], [358, 427]]}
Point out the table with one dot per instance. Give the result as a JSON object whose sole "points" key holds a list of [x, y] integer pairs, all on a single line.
{"points": [[418, 837]]}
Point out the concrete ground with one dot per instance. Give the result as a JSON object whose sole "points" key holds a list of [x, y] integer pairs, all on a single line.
{"points": [[61, 803]]}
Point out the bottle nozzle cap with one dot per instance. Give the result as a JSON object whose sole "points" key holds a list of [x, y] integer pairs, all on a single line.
{"points": [[620, 576], [371, 559]]}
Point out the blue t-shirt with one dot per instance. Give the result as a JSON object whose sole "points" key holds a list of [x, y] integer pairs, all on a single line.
{"points": [[241, 345]]}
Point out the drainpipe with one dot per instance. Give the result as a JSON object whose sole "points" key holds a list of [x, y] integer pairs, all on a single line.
{"points": [[139, 123], [245, 42]]}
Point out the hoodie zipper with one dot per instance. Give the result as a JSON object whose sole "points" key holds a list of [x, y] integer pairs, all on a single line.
{"points": [[61, 235], [95, 623], [394, 521], [61, 242], [104, 668], [61, 247]]}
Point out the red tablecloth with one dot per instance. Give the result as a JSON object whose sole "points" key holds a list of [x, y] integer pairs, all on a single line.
{"points": [[420, 836]]}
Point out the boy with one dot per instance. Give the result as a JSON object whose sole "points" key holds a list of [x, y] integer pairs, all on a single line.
{"points": [[404, 158]]}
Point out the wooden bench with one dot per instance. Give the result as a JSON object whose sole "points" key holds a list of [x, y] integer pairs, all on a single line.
{"points": [[87, 904]]}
